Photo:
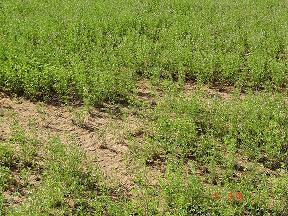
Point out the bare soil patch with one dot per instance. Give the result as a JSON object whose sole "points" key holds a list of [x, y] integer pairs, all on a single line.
{"points": [[223, 92], [102, 135]]}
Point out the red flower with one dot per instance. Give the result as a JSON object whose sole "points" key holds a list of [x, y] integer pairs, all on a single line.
{"points": [[230, 196], [239, 196]]}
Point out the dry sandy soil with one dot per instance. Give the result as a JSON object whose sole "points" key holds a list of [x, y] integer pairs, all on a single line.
{"points": [[104, 133]]}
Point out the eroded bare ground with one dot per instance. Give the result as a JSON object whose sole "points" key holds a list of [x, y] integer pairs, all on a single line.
{"points": [[102, 132], [101, 135], [223, 92]]}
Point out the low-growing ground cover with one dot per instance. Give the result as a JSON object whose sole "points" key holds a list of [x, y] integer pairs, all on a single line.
{"points": [[95, 51], [45, 178], [143, 107], [198, 153], [236, 145]]}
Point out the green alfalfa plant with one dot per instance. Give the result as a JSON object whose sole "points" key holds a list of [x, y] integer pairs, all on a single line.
{"points": [[183, 193]]}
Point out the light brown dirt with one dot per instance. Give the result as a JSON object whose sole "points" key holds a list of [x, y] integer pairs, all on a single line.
{"points": [[102, 135], [102, 132], [224, 92]]}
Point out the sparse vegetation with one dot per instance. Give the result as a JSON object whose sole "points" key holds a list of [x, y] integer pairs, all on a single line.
{"points": [[235, 145], [183, 102]]}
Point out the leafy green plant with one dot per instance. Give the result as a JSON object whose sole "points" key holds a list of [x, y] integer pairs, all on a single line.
{"points": [[67, 54]]}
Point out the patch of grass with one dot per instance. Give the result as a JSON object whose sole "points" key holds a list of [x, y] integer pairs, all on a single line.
{"points": [[92, 52], [255, 124], [216, 156], [236, 145], [38, 178]]}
